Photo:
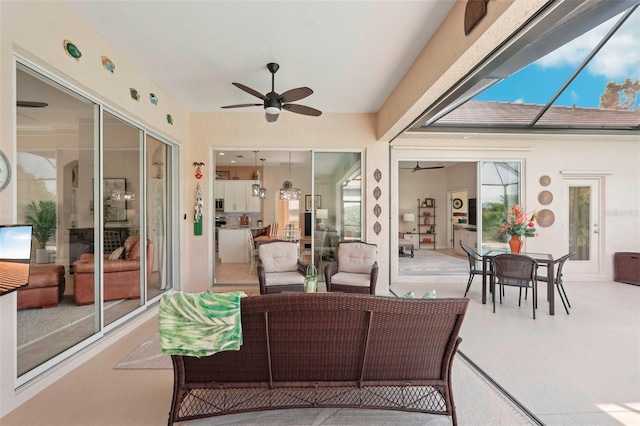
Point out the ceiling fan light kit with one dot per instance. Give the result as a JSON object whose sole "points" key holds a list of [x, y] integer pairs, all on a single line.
{"points": [[273, 102]]}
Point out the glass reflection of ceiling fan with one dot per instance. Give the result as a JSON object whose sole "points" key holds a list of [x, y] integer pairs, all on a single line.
{"points": [[417, 167]]}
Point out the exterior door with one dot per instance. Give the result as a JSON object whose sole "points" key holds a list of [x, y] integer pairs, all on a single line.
{"points": [[583, 224]]}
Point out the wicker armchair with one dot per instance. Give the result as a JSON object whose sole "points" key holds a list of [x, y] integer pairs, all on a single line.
{"points": [[279, 267], [517, 271], [356, 269]]}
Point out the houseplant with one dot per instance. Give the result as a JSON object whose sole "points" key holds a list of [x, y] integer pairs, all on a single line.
{"points": [[517, 224], [43, 218]]}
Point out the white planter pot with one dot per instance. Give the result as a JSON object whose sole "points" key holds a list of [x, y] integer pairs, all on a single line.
{"points": [[42, 256]]}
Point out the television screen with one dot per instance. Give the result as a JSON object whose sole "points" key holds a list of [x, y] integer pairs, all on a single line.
{"points": [[15, 256]]}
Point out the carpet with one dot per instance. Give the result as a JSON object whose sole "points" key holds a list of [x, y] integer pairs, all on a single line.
{"points": [[431, 262], [477, 401], [35, 324]]}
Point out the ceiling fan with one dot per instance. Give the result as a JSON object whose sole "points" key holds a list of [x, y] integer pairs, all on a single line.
{"points": [[417, 167], [31, 104], [273, 102]]}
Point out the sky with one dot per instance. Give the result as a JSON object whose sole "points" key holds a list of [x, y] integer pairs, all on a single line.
{"points": [[15, 242], [537, 83]]}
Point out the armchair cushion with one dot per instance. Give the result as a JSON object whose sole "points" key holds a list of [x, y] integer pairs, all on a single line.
{"points": [[348, 278], [356, 258], [278, 257]]}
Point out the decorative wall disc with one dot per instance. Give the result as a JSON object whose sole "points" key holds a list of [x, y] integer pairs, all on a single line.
{"points": [[377, 210], [377, 192], [377, 175], [545, 197], [377, 228], [153, 99], [545, 180], [134, 94], [546, 218]]}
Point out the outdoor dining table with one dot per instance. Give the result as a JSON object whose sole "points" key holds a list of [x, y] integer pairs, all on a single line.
{"points": [[541, 258]]}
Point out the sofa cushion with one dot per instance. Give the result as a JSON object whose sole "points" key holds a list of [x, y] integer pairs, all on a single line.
{"points": [[116, 254], [279, 256], [356, 258], [283, 278], [132, 248], [349, 278]]}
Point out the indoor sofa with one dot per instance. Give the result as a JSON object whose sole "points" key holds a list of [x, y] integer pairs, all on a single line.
{"points": [[121, 274]]}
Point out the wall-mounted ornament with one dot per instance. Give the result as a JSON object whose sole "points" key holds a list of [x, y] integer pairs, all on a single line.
{"points": [[108, 64], [377, 175], [198, 167], [134, 94], [545, 180], [153, 99], [198, 214], [473, 13], [72, 50], [546, 218], [545, 197], [377, 192], [169, 119], [377, 210], [377, 228]]}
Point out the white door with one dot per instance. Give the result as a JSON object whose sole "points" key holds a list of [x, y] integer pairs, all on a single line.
{"points": [[583, 224]]}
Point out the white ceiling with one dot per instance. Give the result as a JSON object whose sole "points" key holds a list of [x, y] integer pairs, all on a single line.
{"points": [[351, 53]]}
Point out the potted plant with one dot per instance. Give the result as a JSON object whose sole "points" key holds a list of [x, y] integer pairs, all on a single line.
{"points": [[43, 218]]}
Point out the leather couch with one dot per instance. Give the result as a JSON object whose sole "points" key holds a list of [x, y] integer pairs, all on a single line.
{"points": [[121, 276], [45, 288]]}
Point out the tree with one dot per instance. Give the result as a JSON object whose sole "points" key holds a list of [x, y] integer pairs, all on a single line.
{"points": [[620, 96]]}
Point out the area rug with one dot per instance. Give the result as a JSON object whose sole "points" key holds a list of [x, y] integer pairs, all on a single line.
{"points": [[431, 262], [35, 324], [477, 401]]}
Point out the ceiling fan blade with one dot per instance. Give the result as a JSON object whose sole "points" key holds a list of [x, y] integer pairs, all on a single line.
{"points": [[295, 94], [272, 117], [431, 168], [241, 105], [301, 109], [31, 104], [250, 91]]}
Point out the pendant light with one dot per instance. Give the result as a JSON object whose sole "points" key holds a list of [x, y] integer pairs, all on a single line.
{"points": [[263, 191], [255, 188], [288, 192]]}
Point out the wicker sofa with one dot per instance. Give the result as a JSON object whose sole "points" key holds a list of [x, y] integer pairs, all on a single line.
{"points": [[320, 350]]}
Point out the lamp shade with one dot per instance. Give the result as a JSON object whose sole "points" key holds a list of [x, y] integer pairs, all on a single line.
{"points": [[408, 217], [322, 213]]}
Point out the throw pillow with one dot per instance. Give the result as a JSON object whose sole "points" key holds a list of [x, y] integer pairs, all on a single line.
{"points": [[117, 254]]}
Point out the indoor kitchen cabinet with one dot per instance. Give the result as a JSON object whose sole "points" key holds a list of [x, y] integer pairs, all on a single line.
{"points": [[468, 238], [238, 198]]}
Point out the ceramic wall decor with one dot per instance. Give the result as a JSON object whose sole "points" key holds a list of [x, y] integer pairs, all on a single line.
{"points": [[545, 198], [153, 99], [546, 218], [169, 119], [108, 64], [545, 180], [377, 192], [72, 50], [377, 175], [377, 210], [377, 228], [134, 94]]}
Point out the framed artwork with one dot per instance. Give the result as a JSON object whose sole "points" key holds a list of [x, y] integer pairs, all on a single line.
{"points": [[430, 202], [220, 175], [308, 205]]}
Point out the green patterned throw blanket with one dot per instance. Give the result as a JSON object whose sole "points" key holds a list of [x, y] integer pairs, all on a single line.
{"points": [[200, 324]]}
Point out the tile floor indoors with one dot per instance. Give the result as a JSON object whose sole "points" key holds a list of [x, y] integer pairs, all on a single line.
{"points": [[577, 369]]}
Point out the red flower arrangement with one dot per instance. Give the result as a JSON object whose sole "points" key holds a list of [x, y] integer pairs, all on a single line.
{"points": [[518, 223]]}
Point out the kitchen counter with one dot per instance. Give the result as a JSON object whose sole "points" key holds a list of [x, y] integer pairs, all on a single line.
{"points": [[233, 245]]}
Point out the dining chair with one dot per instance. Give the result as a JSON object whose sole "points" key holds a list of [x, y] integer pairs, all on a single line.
{"points": [[475, 264], [558, 279], [252, 251], [514, 270]]}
